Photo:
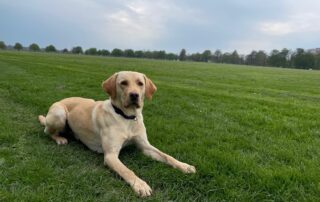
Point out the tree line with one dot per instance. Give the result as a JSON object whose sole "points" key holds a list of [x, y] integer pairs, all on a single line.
{"points": [[299, 58]]}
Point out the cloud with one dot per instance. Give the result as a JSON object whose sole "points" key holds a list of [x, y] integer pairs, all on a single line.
{"points": [[137, 24], [142, 24], [163, 24], [277, 28], [134, 23], [293, 24], [299, 23]]}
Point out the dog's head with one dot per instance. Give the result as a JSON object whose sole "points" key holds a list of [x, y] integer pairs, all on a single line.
{"points": [[129, 88]]}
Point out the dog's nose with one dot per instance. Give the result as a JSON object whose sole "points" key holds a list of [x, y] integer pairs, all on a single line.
{"points": [[134, 96]]}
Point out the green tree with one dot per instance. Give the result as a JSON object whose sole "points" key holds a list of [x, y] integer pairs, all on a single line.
{"points": [[65, 50], [103, 52], [183, 55], [2, 45], [284, 57], [302, 59], [117, 52], [261, 58], [139, 54], [148, 54], [34, 47], [317, 60], [235, 58], [226, 58], [159, 54], [275, 59], [171, 56], [77, 50], [279, 58], [310, 60], [217, 56], [91, 51], [128, 53], [206, 55], [195, 57], [50, 48], [17, 46], [251, 58]]}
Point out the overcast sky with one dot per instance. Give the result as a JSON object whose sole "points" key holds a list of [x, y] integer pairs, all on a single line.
{"points": [[168, 25]]}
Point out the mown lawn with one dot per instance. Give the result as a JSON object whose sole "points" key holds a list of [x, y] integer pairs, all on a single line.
{"points": [[253, 133]]}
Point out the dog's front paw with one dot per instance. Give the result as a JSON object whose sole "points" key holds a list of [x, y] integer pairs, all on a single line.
{"points": [[186, 168], [61, 140], [141, 188]]}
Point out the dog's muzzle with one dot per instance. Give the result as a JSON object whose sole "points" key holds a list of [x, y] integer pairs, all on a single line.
{"points": [[134, 97], [133, 100]]}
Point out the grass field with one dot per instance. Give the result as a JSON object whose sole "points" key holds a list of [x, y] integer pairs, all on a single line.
{"points": [[253, 133]]}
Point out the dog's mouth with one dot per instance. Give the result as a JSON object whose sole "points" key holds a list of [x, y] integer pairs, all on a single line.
{"points": [[132, 105]]}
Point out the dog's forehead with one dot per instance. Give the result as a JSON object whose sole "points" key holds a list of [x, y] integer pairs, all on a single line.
{"points": [[128, 75]]}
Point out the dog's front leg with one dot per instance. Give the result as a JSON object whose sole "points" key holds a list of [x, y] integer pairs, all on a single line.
{"points": [[111, 159], [149, 150]]}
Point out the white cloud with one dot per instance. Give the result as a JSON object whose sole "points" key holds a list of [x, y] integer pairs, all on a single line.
{"points": [[163, 24], [137, 24], [277, 28], [299, 23], [142, 23]]}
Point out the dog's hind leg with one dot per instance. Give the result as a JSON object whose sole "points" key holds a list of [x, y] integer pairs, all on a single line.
{"points": [[55, 122]]}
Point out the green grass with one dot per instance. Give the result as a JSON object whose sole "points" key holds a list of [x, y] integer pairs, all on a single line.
{"points": [[253, 133]]}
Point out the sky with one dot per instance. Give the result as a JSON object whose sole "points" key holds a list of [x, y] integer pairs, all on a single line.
{"points": [[170, 25]]}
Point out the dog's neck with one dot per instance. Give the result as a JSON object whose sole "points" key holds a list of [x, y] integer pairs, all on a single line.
{"points": [[130, 111]]}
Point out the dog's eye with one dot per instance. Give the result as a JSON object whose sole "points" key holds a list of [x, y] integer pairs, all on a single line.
{"points": [[140, 83], [124, 83]]}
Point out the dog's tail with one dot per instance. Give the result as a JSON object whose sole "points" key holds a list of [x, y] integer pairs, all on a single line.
{"points": [[42, 120]]}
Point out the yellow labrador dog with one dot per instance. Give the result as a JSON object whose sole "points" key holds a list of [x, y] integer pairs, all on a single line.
{"points": [[107, 126]]}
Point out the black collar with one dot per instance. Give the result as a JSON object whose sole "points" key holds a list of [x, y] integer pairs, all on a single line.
{"points": [[120, 112]]}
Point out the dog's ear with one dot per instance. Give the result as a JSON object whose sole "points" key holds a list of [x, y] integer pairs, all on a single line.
{"points": [[109, 86], [150, 88]]}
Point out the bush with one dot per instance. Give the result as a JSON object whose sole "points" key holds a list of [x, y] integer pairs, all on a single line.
{"points": [[91, 51], [104, 52], [17, 46], [117, 52], [50, 48], [77, 50], [128, 53], [34, 47], [2, 45]]}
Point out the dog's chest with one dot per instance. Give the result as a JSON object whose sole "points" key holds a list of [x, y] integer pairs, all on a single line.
{"points": [[131, 130]]}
